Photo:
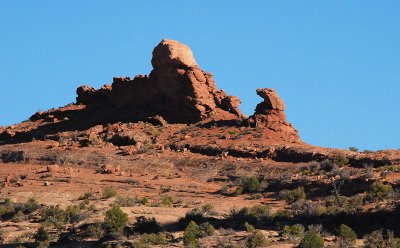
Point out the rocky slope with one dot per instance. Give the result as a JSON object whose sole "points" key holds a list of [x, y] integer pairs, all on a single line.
{"points": [[189, 114]]}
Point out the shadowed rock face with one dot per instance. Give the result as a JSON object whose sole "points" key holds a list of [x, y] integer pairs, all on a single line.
{"points": [[176, 89]]}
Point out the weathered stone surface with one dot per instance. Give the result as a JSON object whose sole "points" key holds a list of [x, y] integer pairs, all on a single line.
{"points": [[270, 114], [53, 168], [171, 52], [271, 100], [176, 90]]}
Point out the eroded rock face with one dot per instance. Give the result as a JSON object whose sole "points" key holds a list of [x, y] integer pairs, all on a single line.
{"points": [[176, 89], [270, 114]]}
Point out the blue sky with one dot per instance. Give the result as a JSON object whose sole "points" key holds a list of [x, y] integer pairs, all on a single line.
{"points": [[336, 64]]}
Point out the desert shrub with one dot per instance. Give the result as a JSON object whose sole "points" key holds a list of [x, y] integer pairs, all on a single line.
{"points": [[8, 209], [312, 239], [41, 234], [259, 211], [115, 219], [126, 201], [206, 229], [283, 213], [312, 167], [145, 225], [293, 195], [376, 239], [148, 239], [208, 209], [19, 216], [327, 165], [249, 228], [31, 206], [378, 191], [196, 215], [87, 196], [109, 192], [252, 214], [167, 201], [191, 235], [53, 214], [144, 201], [317, 228], [238, 191], [341, 161], [223, 190], [294, 232], [250, 184], [256, 239], [347, 237], [95, 230], [353, 149], [73, 214]]}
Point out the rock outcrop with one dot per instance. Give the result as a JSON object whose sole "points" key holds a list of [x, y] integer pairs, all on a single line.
{"points": [[176, 89], [270, 114]]}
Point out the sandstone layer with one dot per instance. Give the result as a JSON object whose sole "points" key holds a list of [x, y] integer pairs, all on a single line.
{"points": [[176, 89]]}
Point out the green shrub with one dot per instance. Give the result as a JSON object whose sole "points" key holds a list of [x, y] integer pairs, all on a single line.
{"points": [[249, 228], [191, 235], [95, 230], [251, 215], [376, 239], [148, 239], [378, 191], [115, 219], [126, 201], [238, 191], [341, 161], [347, 237], [257, 239], [144, 201], [294, 232], [206, 229], [54, 214], [41, 234], [73, 214], [19, 216], [167, 201], [250, 184], [312, 239], [43, 244], [87, 196], [109, 192], [31, 206], [293, 195]]}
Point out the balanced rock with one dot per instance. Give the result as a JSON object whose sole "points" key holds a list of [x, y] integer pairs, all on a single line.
{"points": [[270, 114]]}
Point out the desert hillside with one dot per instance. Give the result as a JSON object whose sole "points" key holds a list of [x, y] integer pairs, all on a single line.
{"points": [[169, 160]]}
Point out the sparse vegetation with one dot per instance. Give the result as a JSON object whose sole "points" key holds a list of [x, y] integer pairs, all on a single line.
{"points": [[294, 232], [378, 191], [191, 235], [312, 239], [347, 237], [109, 192], [115, 219], [294, 195]]}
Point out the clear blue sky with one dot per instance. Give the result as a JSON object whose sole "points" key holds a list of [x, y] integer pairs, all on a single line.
{"points": [[336, 64]]}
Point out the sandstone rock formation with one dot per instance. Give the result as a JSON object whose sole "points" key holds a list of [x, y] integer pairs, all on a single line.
{"points": [[176, 89], [270, 114]]}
